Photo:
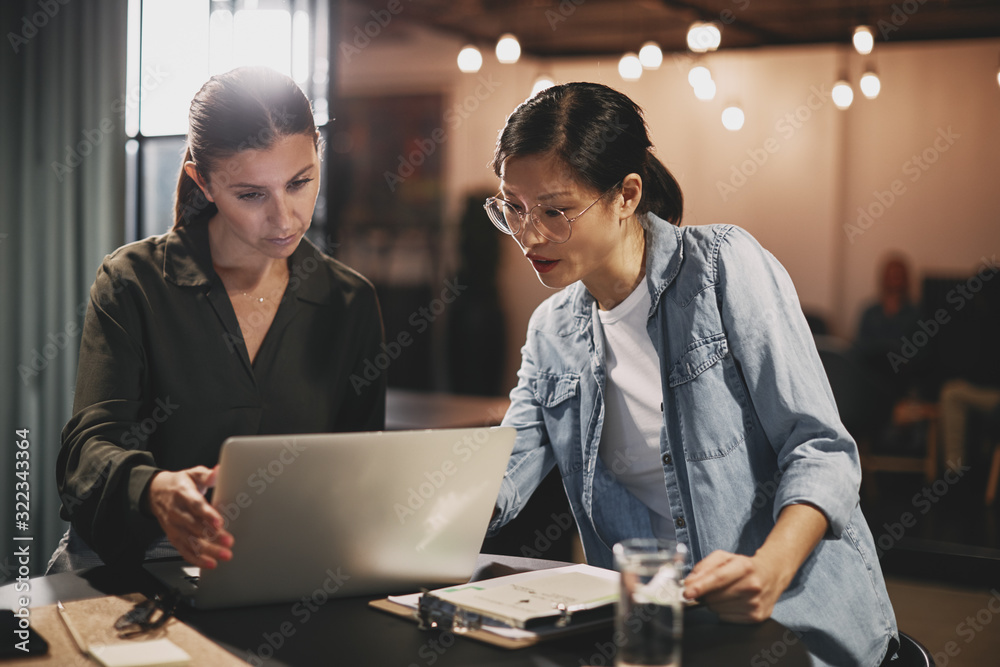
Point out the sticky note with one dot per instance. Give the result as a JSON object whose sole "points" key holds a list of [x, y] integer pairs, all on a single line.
{"points": [[154, 653]]}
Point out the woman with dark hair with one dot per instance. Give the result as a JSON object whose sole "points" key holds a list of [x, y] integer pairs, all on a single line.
{"points": [[674, 382], [233, 323]]}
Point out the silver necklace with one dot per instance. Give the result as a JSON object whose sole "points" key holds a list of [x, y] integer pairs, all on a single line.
{"points": [[258, 299]]}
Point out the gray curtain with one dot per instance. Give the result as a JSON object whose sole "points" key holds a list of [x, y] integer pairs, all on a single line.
{"points": [[62, 175]]}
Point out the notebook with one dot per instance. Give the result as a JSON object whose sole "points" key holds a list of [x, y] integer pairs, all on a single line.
{"points": [[332, 515]]}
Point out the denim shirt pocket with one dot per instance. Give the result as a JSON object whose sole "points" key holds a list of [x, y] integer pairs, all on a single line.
{"points": [[550, 389], [710, 399], [557, 394]]}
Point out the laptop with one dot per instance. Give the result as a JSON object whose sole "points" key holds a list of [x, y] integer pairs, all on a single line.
{"points": [[333, 515]]}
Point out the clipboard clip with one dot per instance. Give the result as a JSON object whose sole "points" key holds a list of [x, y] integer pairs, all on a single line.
{"points": [[565, 615], [433, 612]]}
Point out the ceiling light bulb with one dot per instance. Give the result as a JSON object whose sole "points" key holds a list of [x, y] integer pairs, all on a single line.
{"points": [[470, 59], [695, 38], [705, 90], [733, 118], [508, 49], [842, 94], [650, 55], [864, 40], [870, 85], [713, 36], [702, 37], [697, 74], [629, 67], [541, 83]]}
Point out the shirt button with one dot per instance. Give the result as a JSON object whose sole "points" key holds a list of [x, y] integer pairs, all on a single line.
{"points": [[667, 460], [680, 522]]}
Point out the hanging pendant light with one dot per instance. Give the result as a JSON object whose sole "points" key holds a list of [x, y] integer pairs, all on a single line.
{"points": [[470, 59], [629, 67], [508, 49], [651, 56], [842, 94], [870, 84], [864, 40], [733, 118]]}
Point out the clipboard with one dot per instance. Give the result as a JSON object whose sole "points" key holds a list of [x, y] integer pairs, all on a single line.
{"points": [[474, 624]]}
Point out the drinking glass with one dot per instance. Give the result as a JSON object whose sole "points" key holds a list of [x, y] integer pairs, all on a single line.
{"points": [[649, 617]]}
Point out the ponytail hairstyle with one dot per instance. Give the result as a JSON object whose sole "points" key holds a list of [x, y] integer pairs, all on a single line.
{"points": [[246, 108], [600, 135]]}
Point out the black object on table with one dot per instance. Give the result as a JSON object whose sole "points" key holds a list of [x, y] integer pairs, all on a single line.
{"points": [[346, 631]]}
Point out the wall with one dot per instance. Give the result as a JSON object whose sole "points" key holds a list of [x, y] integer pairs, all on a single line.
{"points": [[795, 175]]}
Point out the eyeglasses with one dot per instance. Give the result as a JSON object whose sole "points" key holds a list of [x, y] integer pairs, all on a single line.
{"points": [[550, 222], [150, 614]]}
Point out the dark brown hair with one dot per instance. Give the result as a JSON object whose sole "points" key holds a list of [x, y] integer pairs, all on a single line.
{"points": [[246, 108], [600, 134]]}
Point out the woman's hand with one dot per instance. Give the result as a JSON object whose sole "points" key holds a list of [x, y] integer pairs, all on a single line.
{"points": [[177, 500], [744, 589], [740, 589]]}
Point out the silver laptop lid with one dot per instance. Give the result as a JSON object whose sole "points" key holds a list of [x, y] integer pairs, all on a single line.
{"points": [[329, 515]]}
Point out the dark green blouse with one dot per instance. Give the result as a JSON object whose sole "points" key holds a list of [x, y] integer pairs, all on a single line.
{"points": [[164, 376]]}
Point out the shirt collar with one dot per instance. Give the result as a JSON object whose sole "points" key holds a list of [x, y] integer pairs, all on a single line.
{"points": [[187, 262], [664, 253]]}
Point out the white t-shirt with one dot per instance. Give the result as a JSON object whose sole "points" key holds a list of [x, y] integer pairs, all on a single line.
{"points": [[630, 439]]}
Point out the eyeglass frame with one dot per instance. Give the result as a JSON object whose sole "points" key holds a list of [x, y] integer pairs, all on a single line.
{"points": [[529, 214]]}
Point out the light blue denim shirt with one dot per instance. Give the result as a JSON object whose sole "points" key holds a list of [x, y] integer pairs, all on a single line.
{"points": [[749, 426]]}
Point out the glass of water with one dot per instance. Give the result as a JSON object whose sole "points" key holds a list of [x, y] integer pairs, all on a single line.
{"points": [[650, 614]]}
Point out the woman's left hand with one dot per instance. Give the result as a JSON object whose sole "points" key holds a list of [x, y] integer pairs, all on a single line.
{"points": [[740, 589]]}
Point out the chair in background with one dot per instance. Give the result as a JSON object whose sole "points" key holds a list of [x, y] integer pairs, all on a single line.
{"points": [[993, 431], [865, 407], [991, 484]]}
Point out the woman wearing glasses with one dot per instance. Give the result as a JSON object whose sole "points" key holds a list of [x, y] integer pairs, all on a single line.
{"points": [[233, 323], [675, 384]]}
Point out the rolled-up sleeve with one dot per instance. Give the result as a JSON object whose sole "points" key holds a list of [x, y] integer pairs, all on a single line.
{"points": [[788, 386]]}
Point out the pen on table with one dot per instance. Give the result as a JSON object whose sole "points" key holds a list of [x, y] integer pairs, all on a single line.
{"points": [[64, 615]]}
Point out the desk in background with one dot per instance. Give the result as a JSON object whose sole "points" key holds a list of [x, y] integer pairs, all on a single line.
{"points": [[347, 632], [406, 409]]}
